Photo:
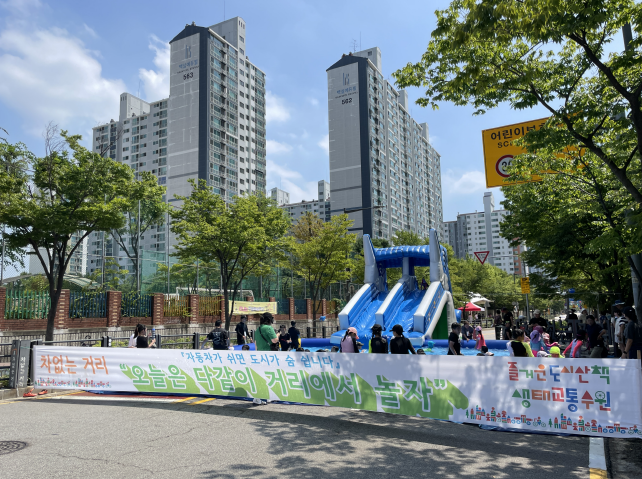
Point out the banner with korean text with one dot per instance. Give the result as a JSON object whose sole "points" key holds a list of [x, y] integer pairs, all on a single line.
{"points": [[580, 396], [251, 307]]}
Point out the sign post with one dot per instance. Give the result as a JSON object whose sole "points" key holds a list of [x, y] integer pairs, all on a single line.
{"points": [[526, 289], [482, 256], [499, 150]]}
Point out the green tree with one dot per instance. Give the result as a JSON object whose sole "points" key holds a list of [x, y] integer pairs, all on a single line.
{"points": [[65, 196], [148, 212], [14, 163], [570, 238], [244, 237], [554, 54], [113, 280], [322, 251]]}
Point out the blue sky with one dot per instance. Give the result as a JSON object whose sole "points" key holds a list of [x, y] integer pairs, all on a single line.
{"points": [[68, 61]]}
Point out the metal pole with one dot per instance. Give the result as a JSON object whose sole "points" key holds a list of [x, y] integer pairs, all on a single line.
{"points": [[528, 313], [103, 261], [2, 263], [139, 266], [167, 237], [291, 276]]}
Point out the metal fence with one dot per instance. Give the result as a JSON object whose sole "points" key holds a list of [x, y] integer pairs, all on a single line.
{"points": [[175, 306], [300, 306], [136, 305], [209, 305], [27, 304], [84, 304], [284, 306]]}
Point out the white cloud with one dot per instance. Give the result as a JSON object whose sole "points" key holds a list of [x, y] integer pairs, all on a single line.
{"points": [[325, 143], [49, 75], [277, 148], [313, 101], [90, 31], [467, 183], [292, 182], [276, 110], [156, 82], [21, 7]]}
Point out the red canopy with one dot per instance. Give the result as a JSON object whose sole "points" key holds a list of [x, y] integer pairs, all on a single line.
{"points": [[471, 307]]}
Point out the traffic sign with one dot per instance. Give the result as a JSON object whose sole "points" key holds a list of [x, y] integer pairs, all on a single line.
{"points": [[482, 255], [526, 285], [499, 150], [572, 290]]}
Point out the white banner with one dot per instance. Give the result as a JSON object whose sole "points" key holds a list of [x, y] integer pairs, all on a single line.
{"points": [[580, 396]]}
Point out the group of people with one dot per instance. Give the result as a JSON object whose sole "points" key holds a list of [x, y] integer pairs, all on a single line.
{"points": [[399, 344]]}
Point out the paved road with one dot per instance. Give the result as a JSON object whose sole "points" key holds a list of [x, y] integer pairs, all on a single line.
{"points": [[83, 436]]}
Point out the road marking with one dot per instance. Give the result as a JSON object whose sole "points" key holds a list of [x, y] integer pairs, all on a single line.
{"points": [[10, 402], [597, 461], [201, 401], [185, 399]]}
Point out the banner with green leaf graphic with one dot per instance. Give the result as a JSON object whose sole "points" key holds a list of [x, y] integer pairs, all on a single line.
{"points": [[583, 396]]}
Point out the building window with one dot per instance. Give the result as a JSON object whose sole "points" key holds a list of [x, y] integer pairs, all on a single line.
{"points": [[243, 40]]}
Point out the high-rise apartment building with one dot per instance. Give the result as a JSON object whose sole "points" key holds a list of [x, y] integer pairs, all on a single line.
{"points": [[479, 232], [211, 126], [381, 162], [280, 196], [319, 207]]}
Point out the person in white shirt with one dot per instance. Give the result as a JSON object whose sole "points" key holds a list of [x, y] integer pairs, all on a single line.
{"points": [[134, 337]]}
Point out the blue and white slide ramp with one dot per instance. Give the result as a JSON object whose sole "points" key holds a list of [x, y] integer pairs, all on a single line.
{"points": [[417, 311]]}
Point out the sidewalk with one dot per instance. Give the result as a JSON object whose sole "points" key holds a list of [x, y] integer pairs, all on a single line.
{"points": [[624, 458]]}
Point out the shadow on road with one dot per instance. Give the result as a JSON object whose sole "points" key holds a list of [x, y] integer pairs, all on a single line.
{"points": [[397, 446]]}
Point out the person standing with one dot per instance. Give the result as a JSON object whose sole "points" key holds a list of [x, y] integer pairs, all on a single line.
{"points": [[134, 336], [141, 339], [575, 348], [377, 344], [572, 320], [620, 324], [595, 333], [265, 336], [295, 335], [498, 324], [219, 337], [400, 344], [454, 348], [632, 335], [508, 325], [241, 331], [480, 342], [284, 338], [424, 285], [466, 332], [349, 342]]}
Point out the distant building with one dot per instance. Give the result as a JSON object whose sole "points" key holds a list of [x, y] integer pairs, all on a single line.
{"points": [[281, 197], [382, 164], [479, 232], [211, 127], [319, 207]]}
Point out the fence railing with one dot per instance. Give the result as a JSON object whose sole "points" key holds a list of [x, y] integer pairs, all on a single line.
{"points": [[300, 306], [284, 306], [27, 304], [175, 306], [136, 305], [209, 305], [84, 304]]}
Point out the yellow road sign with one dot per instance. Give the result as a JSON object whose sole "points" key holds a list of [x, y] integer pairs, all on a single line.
{"points": [[499, 150], [526, 285]]}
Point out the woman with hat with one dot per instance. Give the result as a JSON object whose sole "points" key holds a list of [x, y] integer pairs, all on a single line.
{"points": [[378, 345], [349, 342], [400, 344]]}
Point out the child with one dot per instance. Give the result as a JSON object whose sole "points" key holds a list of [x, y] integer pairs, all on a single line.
{"points": [[377, 344], [245, 347], [485, 352], [454, 348], [576, 346], [479, 337], [555, 352], [537, 342]]}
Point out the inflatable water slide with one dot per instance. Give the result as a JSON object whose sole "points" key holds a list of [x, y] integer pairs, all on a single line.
{"points": [[424, 314]]}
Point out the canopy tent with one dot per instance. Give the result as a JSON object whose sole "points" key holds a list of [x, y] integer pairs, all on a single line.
{"points": [[471, 307]]}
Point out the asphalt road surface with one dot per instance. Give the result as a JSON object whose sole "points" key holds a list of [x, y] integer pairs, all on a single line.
{"points": [[80, 435]]}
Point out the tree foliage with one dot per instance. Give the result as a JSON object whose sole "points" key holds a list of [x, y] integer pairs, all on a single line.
{"points": [[59, 199], [561, 56], [322, 251], [148, 212], [244, 237]]}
